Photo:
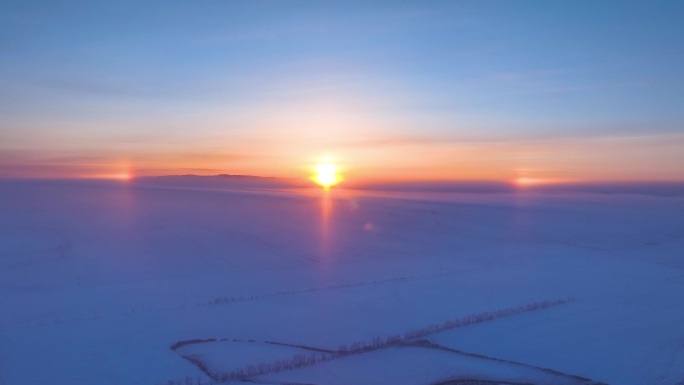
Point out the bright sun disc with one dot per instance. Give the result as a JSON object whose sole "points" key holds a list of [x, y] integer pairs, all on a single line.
{"points": [[326, 175]]}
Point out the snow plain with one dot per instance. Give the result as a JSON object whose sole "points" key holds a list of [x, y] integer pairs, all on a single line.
{"points": [[99, 280]]}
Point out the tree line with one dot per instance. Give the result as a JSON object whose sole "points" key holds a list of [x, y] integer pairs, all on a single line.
{"points": [[407, 338]]}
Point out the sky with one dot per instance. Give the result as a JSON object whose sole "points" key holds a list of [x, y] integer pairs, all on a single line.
{"points": [[527, 91]]}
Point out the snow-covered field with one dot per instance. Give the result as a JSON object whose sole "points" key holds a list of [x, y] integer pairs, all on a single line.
{"points": [[100, 282]]}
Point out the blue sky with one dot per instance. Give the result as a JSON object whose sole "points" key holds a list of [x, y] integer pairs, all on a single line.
{"points": [[268, 87]]}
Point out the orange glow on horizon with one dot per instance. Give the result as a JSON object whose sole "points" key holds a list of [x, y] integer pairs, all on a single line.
{"points": [[121, 176], [527, 181], [326, 175]]}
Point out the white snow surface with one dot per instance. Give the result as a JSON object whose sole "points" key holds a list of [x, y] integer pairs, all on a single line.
{"points": [[98, 280], [411, 365]]}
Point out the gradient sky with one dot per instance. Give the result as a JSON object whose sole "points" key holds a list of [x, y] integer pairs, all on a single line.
{"points": [[557, 91]]}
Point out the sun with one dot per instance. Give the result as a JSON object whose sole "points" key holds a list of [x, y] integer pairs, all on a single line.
{"points": [[326, 175]]}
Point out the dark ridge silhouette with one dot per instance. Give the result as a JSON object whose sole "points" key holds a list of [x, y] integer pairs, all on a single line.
{"points": [[667, 189], [494, 187], [637, 188], [220, 181], [438, 186]]}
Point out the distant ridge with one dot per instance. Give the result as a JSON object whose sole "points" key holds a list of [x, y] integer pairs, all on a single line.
{"points": [[220, 181], [484, 187], [231, 181], [439, 186], [655, 188]]}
